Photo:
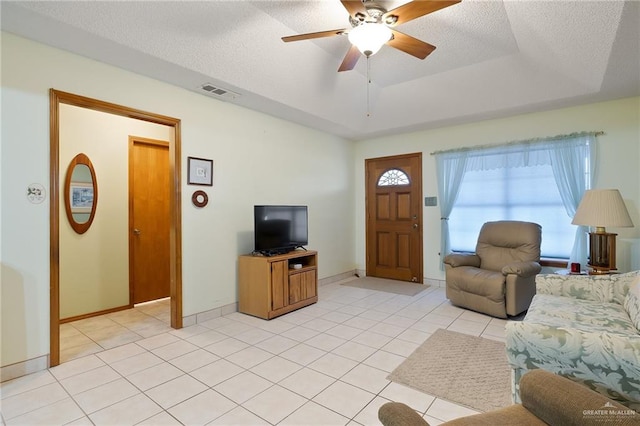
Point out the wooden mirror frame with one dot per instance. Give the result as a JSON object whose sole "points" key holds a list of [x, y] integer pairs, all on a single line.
{"points": [[80, 159]]}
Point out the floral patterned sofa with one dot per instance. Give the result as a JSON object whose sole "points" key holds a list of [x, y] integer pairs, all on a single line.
{"points": [[584, 327]]}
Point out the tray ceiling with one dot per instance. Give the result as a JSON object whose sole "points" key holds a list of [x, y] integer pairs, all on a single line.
{"points": [[493, 58]]}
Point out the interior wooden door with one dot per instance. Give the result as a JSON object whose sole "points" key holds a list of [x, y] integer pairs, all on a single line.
{"points": [[394, 217], [149, 220]]}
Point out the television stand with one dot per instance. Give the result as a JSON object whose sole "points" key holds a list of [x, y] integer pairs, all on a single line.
{"points": [[270, 286]]}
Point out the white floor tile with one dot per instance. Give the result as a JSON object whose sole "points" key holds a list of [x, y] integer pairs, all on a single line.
{"points": [[274, 404], [417, 400], [76, 366], [26, 383], [174, 350], [239, 417], [209, 337], [122, 352], [243, 387], [161, 419], [369, 414], [105, 395], [136, 363], [325, 342], [194, 360], [202, 408], [249, 357], [127, 412], [307, 383], [175, 391], [354, 351], [384, 361], [58, 413], [216, 372], [303, 354], [333, 365], [344, 398], [276, 368], [89, 380], [276, 344], [368, 378], [314, 414], [226, 347], [31, 400], [154, 376], [445, 410]]}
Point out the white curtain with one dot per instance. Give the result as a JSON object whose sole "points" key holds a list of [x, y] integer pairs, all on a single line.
{"points": [[574, 176], [450, 169], [566, 154]]}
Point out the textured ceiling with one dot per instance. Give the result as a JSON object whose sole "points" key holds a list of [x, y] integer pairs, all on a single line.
{"points": [[493, 58]]}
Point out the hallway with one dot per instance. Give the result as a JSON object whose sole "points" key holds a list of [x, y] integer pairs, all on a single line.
{"points": [[96, 334]]}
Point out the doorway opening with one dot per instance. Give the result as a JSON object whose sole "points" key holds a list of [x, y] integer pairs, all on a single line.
{"points": [[57, 98]]}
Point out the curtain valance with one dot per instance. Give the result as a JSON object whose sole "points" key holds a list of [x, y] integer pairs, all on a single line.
{"points": [[525, 153]]}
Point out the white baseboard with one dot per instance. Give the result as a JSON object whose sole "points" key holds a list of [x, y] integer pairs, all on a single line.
{"points": [[23, 368]]}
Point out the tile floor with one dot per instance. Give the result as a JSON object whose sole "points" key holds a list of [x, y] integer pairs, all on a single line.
{"points": [[325, 364]]}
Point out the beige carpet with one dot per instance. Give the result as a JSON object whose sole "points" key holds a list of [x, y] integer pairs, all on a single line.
{"points": [[468, 370], [389, 286]]}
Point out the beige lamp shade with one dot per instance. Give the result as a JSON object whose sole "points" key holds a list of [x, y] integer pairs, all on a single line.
{"points": [[602, 208]]}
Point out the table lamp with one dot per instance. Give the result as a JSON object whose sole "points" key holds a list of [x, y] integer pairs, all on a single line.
{"points": [[600, 208]]}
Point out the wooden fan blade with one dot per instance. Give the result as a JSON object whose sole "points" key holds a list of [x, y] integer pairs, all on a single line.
{"points": [[410, 45], [319, 34], [354, 7], [350, 59], [416, 9]]}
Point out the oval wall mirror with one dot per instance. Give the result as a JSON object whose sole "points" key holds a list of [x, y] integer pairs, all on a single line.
{"points": [[80, 193]]}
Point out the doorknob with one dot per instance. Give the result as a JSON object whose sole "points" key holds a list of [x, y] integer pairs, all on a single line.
{"points": [[415, 225], [136, 231]]}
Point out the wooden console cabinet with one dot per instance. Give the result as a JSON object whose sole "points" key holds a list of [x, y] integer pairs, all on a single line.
{"points": [[269, 286]]}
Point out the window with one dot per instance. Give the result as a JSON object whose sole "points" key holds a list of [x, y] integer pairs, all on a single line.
{"points": [[393, 177], [538, 180], [516, 193]]}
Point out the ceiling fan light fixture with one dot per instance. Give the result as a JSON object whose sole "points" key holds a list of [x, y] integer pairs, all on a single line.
{"points": [[369, 37]]}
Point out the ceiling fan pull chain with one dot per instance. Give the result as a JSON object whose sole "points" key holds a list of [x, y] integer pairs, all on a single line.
{"points": [[368, 86]]}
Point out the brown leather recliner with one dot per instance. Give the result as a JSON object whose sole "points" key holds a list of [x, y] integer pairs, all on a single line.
{"points": [[547, 399], [499, 279]]}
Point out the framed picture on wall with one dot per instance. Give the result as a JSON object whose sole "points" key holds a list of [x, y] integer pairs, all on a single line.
{"points": [[200, 171], [81, 198]]}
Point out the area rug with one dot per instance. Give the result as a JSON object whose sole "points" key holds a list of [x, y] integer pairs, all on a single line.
{"points": [[389, 286], [467, 370]]}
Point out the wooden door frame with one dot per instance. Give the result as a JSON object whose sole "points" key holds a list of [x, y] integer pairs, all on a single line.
{"points": [[56, 98], [366, 209]]}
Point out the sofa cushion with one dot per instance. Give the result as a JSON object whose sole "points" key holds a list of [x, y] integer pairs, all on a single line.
{"points": [[580, 314], [632, 302]]}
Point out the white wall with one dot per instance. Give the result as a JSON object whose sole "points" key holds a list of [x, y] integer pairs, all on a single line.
{"points": [[617, 164], [257, 159]]}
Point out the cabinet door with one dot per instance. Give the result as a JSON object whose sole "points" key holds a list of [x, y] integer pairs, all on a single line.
{"points": [[295, 288], [308, 285], [302, 286], [279, 280]]}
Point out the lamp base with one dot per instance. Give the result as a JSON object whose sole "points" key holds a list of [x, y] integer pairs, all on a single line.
{"points": [[602, 253]]}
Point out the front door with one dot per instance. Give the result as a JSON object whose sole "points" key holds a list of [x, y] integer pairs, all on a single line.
{"points": [[394, 217], [149, 219]]}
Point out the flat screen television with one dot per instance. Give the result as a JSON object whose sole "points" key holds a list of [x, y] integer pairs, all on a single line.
{"points": [[280, 229]]}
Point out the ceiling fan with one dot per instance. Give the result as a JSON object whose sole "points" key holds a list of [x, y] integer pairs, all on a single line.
{"points": [[372, 26]]}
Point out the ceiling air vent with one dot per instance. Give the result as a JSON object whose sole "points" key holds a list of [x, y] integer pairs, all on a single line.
{"points": [[218, 92]]}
